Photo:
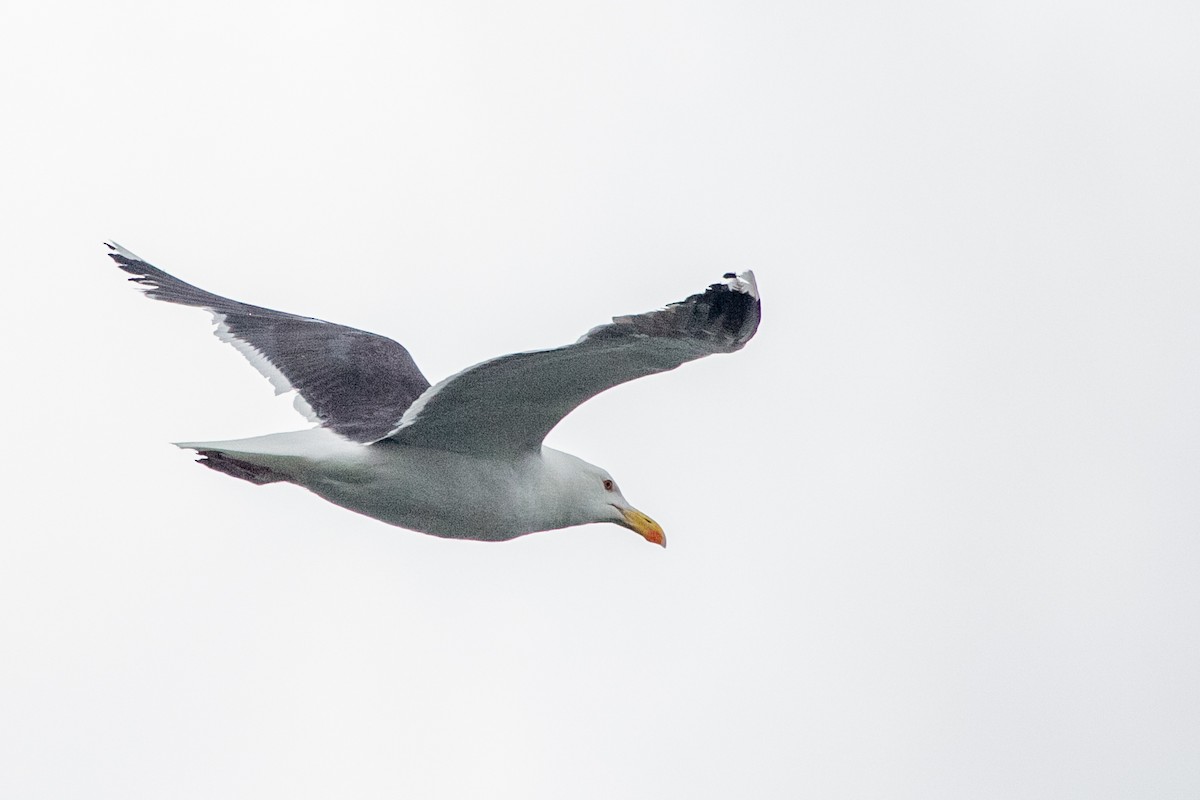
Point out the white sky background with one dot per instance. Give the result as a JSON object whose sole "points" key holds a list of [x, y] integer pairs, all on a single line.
{"points": [[933, 534]]}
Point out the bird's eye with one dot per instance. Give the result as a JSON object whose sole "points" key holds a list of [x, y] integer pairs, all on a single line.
{"points": [[609, 485]]}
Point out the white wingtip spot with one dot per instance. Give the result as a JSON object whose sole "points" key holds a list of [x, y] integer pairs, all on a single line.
{"points": [[121, 251], [744, 283]]}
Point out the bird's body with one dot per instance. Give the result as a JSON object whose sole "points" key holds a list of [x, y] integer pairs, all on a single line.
{"points": [[453, 495], [464, 458]]}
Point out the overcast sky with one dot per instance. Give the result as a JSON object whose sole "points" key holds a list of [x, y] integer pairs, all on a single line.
{"points": [[933, 534]]}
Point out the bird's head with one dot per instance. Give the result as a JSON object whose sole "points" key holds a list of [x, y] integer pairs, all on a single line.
{"points": [[597, 498], [627, 516]]}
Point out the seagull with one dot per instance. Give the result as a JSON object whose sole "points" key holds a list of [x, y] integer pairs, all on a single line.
{"points": [[463, 458]]}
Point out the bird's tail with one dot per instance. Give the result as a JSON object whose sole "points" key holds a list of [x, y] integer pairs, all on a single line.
{"points": [[257, 474], [279, 457]]}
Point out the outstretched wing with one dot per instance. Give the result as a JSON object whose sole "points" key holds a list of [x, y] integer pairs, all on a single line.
{"points": [[355, 383], [509, 404]]}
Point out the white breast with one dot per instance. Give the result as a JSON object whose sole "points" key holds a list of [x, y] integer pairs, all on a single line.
{"points": [[446, 494]]}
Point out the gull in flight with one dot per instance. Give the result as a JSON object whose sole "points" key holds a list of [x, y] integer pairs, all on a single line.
{"points": [[462, 458]]}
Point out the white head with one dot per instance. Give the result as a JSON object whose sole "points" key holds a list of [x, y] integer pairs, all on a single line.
{"points": [[591, 495]]}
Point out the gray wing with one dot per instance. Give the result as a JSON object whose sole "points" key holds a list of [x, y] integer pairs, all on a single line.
{"points": [[355, 383], [509, 404]]}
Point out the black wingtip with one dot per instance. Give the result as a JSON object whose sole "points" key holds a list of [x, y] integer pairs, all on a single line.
{"points": [[123, 257]]}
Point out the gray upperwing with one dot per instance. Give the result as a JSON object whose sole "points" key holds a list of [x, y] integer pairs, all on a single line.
{"points": [[509, 404], [356, 383]]}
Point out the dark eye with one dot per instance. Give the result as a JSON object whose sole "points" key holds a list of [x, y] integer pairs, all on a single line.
{"points": [[609, 485]]}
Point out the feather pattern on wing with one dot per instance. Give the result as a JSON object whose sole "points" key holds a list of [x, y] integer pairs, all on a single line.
{"points": [[507, 405], [355, 383]]}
